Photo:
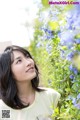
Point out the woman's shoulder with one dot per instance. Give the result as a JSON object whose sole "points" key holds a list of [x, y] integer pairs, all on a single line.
{"points": [[51, 95], [3, 105], [49, 91]]}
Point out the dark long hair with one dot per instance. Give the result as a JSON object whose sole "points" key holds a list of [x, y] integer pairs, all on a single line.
{"points": [[8, 87]]}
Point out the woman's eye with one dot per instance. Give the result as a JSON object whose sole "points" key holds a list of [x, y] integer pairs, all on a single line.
{"points": [[27, 56], [19, 61]]}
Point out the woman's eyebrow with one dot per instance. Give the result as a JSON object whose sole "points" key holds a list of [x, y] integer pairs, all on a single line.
{"points": [[17, 58]]}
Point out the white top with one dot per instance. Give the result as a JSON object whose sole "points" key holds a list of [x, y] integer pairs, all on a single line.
{"points": [[41, 109]]}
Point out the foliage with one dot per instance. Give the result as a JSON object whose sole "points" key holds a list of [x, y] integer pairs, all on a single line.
{"points": [[56, 49]]}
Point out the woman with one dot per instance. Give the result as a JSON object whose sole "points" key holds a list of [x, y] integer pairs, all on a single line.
{"points": [[21, 96]]}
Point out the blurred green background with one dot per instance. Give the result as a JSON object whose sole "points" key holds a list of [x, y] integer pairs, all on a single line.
{"points": [[56, 50]]}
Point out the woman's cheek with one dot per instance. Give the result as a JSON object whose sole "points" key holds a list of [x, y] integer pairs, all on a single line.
{"points": [[18, 69]]}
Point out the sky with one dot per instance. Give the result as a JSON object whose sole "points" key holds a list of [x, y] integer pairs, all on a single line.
{"points": [[16, 21]]}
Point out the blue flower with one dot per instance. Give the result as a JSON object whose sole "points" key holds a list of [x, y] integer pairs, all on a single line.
{"points": [[47, 33], [70, 56], [48, 48], [71, 76], [39, 44], [77, 105], [74, 101], [75, 71], [71, 67], [67, 38], [77, 41]]}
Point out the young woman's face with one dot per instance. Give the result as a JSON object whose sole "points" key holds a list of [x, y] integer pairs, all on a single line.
{"points": [[23, 68]]}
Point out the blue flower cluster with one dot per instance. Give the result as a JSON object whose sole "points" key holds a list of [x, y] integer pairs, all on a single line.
{"points": [[69, 31], [74, 72], [73, 69], [47, 34], [69, 28], [48, 48], [76, 101]]}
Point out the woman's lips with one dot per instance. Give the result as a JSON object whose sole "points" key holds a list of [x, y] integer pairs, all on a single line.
{"points": [[31, 69]]}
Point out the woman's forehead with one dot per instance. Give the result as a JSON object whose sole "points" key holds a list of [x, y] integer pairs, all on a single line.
{"points": [[17, 54]]}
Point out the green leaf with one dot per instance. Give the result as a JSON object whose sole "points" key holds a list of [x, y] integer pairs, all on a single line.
{"points": [[45, 3], [77, 36], [54, 25]]}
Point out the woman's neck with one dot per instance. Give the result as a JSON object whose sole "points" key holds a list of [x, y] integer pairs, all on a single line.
{"points": [[26, 93]]}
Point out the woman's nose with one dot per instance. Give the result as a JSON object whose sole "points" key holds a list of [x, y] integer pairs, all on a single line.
{"points": [[28, 62]]}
